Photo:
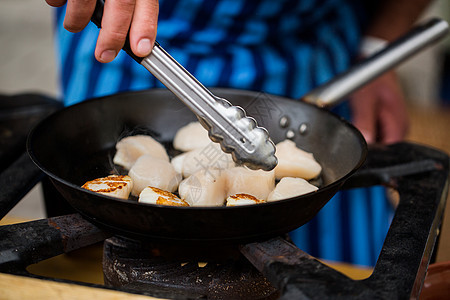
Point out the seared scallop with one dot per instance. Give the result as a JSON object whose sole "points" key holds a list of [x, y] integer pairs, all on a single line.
{"points": [[291, 187], [130, 148], [295, 162], [208, 157], [242, 199], [204, 188], [154, 195], [151, 171], [114, 185], [257, 183], [190, 137]]}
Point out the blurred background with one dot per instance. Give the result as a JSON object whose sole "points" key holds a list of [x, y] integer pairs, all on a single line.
{"points": [[28, 64]]}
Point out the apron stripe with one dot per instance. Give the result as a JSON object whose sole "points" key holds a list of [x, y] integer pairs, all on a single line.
{"points": [[142, 79], [93, 78], [76, 88], [208, 71], [243, 71], [345, 230], [313, 237], [330, 230], [276, 80], [127, 76], [359, 227], [110, 76]]}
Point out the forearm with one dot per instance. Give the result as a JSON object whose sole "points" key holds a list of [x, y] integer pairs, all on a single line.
{"points": [[395, 17]]}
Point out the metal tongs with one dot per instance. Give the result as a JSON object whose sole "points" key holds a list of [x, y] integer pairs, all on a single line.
{"points": [[228, 125]]}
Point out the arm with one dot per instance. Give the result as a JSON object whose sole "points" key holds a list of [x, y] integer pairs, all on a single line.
{"points": [[379, 108], [138, 17], [394, 18]]}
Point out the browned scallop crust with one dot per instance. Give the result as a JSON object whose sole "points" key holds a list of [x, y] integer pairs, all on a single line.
{"points": [[243, 199], [114, 182], [246, 197], [168, 198]]}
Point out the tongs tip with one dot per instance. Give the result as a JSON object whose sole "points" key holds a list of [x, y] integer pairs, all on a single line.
{"points": [[264, 159], [260, 156]]}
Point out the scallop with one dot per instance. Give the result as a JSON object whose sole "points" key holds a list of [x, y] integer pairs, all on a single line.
{"points": [[151, 171], [257, 183], [291, 187], [295, 162], [130, 148], [242, 199], [178, 161], [154, 195], [208, 157], [204, 188], [114, 185], [190, 137]]}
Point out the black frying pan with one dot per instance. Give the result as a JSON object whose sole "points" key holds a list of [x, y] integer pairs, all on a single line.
{"points": [[77, 144]]}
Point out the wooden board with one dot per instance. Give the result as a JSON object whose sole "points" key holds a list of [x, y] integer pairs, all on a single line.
{"points": [[20, 287]]}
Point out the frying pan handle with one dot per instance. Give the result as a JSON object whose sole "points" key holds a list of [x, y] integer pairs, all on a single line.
{"points": [[385, 164], [395, 53], [97, 20]]}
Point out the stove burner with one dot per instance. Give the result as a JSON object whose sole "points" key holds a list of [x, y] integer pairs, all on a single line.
{"points": [[420, 175], [147, 267]]}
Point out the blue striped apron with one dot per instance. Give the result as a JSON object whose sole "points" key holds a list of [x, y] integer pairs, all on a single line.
{"points": [[281, 47]]}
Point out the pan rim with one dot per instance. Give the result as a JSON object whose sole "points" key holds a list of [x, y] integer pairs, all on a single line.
{"points": [[331, 185]]}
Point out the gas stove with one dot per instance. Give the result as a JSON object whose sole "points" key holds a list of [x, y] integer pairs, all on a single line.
{"points": [[272, 269]]}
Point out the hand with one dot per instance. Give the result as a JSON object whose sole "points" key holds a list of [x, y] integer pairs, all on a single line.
{"points": [[138, 17], [379, 110]]}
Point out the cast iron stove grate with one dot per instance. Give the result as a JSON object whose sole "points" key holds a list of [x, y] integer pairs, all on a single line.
{"points": [[418, 173]]}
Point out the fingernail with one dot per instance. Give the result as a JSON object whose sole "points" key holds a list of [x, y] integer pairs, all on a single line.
{"points": [[108, 55], [144, 47]]}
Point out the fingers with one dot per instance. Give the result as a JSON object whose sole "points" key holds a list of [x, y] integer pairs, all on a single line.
{"points": [[143, 27], [364, 111], [379, 110], [117, 15], [78, 14], [137, 17], [394, 127], [393, 116], [56, 3]]}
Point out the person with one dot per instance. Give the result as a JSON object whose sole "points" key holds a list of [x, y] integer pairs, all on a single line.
{"points": [[281, 47]]}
